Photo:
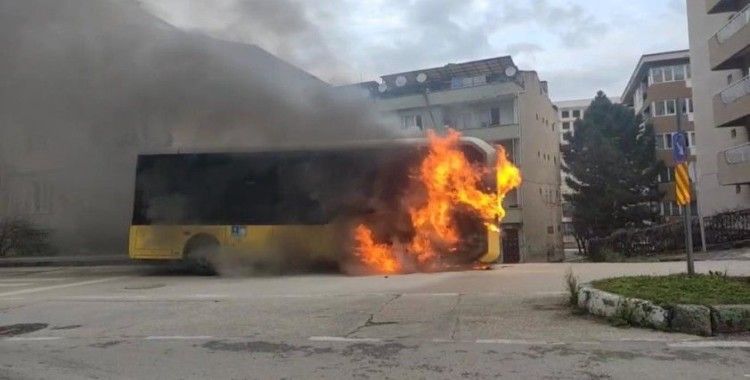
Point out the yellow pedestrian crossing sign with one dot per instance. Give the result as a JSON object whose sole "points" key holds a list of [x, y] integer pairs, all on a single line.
{"points": [[682, 186]]}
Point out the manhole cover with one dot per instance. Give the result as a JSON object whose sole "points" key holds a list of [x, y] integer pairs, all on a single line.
{"points": [[144, 286], [21, 328]]}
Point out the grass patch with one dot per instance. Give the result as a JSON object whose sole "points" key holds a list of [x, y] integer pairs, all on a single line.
{"points": [[713, 289]]}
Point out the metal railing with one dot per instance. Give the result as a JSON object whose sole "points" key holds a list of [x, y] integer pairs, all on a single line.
{"points": [[736, 91], [722, 229], [738, 155], [735, 24]]}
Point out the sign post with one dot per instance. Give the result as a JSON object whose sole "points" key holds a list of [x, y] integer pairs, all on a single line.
{"points": [[682, 189]]}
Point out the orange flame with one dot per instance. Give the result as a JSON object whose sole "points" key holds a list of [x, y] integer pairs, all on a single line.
{"points": [[450, 181], [374, 255]]}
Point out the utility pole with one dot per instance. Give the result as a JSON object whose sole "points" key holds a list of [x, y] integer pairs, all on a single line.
{"points": [[682, 183]]}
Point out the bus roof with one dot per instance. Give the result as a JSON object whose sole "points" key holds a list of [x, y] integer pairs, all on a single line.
{"points": [[477, 143]]}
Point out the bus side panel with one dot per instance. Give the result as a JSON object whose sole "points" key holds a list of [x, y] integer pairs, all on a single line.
{"points": [[310, 242], [168, 242]]}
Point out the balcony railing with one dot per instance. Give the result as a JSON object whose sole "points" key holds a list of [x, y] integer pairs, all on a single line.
{"points": [[735, 24], [736, 91], [738, 155]]}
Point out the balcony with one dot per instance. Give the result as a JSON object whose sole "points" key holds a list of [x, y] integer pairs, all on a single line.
{"points": [[731, 44], [721, 6], [734, 165], [485, 93], [732, 106], [495, 133]]}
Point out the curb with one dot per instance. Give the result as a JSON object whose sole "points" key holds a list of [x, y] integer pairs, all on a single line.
{"points": [[65, 261], [689, 319]]}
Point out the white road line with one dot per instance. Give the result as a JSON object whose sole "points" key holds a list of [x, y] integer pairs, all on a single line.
{"points": [[14, 284], [179, 337], [711, 344], [31, 338], [517, 341], [36, 279], [649, 340], [342, 339], [61, 286]]}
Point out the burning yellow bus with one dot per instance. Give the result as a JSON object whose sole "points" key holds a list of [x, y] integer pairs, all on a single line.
{"points": [[316, 205]]}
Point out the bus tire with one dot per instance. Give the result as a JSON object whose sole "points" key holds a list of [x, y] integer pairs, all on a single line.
{"points": [[200, 253]]}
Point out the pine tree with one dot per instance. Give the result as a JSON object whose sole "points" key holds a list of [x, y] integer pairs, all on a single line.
{"points": [[613, 170]]}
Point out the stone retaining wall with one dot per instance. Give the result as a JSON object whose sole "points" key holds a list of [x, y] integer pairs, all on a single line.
{"points": [[690, 319]]}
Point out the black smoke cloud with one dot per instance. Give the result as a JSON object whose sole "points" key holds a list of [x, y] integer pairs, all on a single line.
{"points": [[88, 84]]}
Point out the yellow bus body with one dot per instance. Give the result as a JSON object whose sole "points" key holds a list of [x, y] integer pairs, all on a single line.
{"points": [[168, 242], [154, 242]]}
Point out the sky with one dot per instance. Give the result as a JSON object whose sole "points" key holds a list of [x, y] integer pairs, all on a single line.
{"points": [[578, 46]]}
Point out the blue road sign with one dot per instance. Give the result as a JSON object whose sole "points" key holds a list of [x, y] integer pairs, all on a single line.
{"points": [[679, 147]]}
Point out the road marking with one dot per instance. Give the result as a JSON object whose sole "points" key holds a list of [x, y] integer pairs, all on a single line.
{"points": [[517, 341], [14, 284], [31, 338], [711, 344], [343, 339], [36, 279], [61, 286], [179, 337]]}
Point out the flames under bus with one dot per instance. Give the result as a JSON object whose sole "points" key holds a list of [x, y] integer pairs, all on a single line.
{"points": [[288, 205]]}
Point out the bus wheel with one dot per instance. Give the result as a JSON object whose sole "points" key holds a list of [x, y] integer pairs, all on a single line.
{"points": [[200, 253]]}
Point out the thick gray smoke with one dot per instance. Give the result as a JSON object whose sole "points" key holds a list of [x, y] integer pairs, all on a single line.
{"points": [[88, 84]]}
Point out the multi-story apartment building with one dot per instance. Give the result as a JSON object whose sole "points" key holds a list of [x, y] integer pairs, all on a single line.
{"points": [[568, 111], [720, 56], [660, 90], [493, 100]]}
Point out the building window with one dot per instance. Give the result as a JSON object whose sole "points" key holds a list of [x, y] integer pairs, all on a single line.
{"points": [[733, 133], [687, 106], [566, 125], [657, 75], [670, 73], [494, 116], [659, 139], [738, 189], [577, 113], [665, 108], [411, 121], [666, 175], [462, 82], [565, 114]]}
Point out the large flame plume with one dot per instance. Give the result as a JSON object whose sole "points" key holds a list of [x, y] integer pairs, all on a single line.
{"points": [[450, 182]]}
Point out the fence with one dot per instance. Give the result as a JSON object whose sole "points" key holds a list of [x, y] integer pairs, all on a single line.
{"points": [[721, 230]]}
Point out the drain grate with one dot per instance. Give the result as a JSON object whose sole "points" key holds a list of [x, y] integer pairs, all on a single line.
{"points": [[21, 328]]}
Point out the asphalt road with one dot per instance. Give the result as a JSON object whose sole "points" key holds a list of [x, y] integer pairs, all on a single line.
{"points": [[510, 322]]}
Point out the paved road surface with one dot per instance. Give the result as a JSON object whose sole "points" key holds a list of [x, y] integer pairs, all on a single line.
{"points": [[510, 322]]}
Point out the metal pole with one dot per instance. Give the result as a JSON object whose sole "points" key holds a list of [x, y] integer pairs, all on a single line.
{"points": [[687, 211], [701, 223], [689, 240]]}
